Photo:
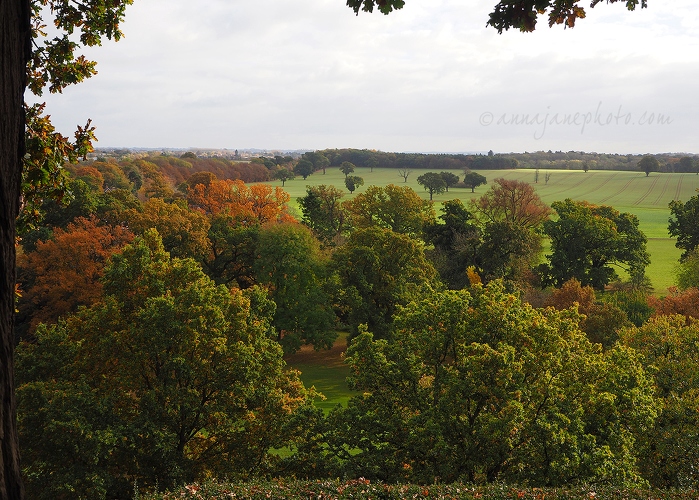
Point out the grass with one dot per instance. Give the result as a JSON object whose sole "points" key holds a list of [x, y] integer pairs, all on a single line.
{"points": [[645, 197], [326, 371]]}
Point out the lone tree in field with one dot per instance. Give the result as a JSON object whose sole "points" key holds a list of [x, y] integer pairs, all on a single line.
{"points": [[450, 179], [648, 164], [283, 174], [432, 182], [473, 180], [404, 173]]}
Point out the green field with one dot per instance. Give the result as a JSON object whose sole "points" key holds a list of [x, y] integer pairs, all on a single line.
{"points": [[646, 197]]}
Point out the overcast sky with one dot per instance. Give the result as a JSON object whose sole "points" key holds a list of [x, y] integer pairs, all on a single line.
{"points": [[277, 74]]}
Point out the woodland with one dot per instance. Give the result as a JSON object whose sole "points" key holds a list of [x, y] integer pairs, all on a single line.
{"points": [[153, 316], [157, 299]]}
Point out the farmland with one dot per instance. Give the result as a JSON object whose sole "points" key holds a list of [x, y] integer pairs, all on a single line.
{"points": [[646, 197]]}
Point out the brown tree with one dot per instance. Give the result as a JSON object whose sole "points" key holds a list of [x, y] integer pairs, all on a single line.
{"points": [[512, 201]]}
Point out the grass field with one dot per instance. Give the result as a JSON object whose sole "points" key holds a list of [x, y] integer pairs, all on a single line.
{"points": [[646, 197]]}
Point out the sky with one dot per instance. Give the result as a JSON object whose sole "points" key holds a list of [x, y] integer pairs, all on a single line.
{"points": [[283, 75]]}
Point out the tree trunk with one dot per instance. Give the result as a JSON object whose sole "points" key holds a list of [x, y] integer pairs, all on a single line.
{"points": [[15, 47]]}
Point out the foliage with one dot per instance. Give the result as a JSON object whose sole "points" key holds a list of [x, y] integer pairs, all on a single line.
{"points": [[290, 265], [670, 346], [183, 231], [324, 213], [64, 272], [684, 224], [684, 302], [235, 198], [378, 270], [283, 174], [603, 236], [473, 179], [509, 13], [514, 202], [304, 168], [482, 388], [232, 245], [688, 270], [450, 179], [601, 321], [169, 379], [347, 168], [432, 182], [399, 209], [352, 182], [456, 241], [648, 164]]}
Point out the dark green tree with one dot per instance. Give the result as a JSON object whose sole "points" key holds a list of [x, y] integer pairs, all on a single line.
{"points": [[587, 240], [290, 265], [684, 224], [432, 182], [450, 179], [304, 168], [352, 182], [473, 180], [379, 270], [283, 174], [324, 213], [648, 164], [347, 168]]}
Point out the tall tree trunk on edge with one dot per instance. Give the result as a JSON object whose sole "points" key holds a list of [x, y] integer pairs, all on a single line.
{"points": [[15, 47]]}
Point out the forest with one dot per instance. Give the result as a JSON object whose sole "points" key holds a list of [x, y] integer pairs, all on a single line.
{"points": [[502, 340]]}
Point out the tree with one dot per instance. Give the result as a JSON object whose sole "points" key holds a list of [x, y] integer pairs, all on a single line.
{"points": [[587, 240], [481, 388], [509, 13], [379, 270], [432, 182], [687, 271], [512, 201], [399, 209], [169, 379], [31, 152], [684, 224], [352, 182], [347, 168], [324, 212], [473, 180], [648, 164], [404, 173], [304, 168], [283, 174], [450, 179], [290, 265], [456, 241], [65, 272], [669, 450]]}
